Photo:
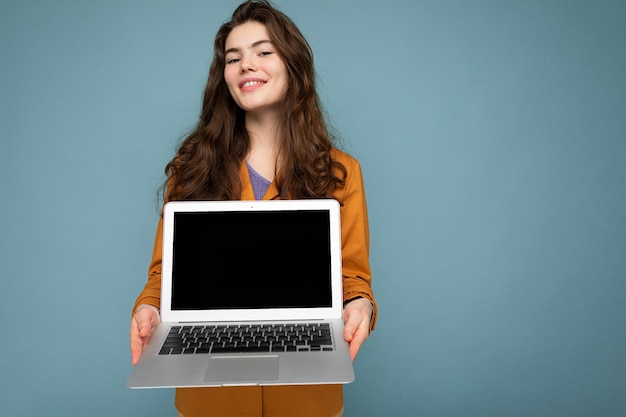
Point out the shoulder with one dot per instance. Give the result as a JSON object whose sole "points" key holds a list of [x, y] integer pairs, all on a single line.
{"points": [[353, 179], [348, 161]]}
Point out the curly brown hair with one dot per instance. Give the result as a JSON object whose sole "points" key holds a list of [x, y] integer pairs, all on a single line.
{"points": [[206, 166]]}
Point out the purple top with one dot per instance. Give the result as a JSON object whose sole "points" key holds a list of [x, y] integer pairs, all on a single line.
{"points": [[259, 184]]}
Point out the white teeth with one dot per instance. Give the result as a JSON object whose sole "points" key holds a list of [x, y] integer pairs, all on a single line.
{"points": [[251, 83]]}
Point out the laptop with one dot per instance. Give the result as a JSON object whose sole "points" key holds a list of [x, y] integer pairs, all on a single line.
{"points": [[251, 295]]}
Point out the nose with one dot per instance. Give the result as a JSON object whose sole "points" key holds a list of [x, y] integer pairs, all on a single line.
{"points": [[248, 64]]}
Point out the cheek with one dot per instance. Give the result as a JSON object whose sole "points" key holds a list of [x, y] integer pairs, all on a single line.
{"points": [[229, 77], [281, 73], [231, 85], [285, 77]]}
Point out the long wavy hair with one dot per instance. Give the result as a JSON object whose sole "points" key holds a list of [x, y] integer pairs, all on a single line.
{"points": [[206, 166]]}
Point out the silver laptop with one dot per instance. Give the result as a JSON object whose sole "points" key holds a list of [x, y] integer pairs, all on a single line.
{"points": [[251, 295]]}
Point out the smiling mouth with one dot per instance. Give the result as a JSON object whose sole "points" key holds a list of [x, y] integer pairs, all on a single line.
{"points": [[251, 83]]}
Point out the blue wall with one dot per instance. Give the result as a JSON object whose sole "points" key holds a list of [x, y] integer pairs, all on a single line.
{"points": [[492, 137]]}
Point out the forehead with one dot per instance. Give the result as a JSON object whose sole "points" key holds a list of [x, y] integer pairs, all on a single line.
{"points": [[246, 34]]}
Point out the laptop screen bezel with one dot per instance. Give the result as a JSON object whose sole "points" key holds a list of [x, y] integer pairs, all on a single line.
{"points": [[258, 314]]}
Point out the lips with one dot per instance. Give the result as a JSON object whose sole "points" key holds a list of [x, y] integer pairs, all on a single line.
{"points": [[250, 83]]}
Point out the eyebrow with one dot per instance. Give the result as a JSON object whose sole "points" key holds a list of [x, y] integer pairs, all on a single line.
{"points": [[254, 45]]}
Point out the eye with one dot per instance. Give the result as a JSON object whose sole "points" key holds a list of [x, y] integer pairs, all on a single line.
{"points": [[265, 53], [232, 60]]}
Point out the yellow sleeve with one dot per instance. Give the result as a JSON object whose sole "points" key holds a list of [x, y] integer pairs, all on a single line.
{"points": [[151, 293], [355, 239]]}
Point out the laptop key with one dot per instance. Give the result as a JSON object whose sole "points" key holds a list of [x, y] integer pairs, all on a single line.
{"points": [[174, 345], [257, 349], [240, 349], [321, 341]]}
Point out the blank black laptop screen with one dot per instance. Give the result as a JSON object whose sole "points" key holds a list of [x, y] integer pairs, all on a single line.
{"points": [[251, 260]]}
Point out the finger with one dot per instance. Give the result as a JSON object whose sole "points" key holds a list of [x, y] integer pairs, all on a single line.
{"points": [[350, 328], [355, 346], [143, 326], [143, 323], [356, 330], [354, 315], [146, 321], [358, 339], [136, 342]]}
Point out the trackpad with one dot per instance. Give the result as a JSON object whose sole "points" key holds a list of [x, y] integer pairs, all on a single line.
{"points": [[249, 369]]}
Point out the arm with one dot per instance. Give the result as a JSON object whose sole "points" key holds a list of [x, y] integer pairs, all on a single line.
{"points": [[360, 310]]}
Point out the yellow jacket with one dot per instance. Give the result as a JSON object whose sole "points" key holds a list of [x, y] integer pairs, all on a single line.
{"points": [[284, 401]]}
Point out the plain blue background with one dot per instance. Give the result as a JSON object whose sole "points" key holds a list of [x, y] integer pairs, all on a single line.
{"points": [[492, 139]]}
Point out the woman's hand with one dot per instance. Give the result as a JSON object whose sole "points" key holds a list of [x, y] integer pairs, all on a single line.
{"points": [[142, 326], [356, 316]]}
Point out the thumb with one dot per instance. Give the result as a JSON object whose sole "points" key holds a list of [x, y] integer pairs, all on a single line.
{"points": [[349, 329]]}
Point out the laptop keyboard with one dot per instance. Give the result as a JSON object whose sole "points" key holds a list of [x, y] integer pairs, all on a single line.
{"points": [[311, 337]]}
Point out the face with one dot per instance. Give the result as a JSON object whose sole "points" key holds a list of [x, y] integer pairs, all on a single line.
{"points": [[255, 73]]}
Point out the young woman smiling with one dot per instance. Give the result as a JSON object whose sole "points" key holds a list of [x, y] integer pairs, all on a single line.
{"points": [[262, 135]]}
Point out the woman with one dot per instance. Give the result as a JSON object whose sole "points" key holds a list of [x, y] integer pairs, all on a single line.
{"points": [[262, 135]]}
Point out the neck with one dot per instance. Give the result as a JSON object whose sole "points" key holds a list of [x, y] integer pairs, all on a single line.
{"points": [[264, 144], [262, 124]]}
